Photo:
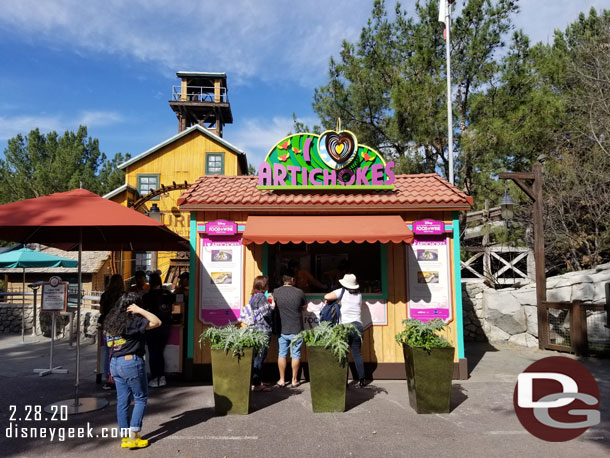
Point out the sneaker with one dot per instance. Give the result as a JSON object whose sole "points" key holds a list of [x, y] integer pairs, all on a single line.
{"points": [[162, 381], [138, 442], [154, 383], [108, 386]]}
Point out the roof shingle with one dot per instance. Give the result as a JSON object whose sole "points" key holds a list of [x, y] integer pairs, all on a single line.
{"points": [[422, 191]]}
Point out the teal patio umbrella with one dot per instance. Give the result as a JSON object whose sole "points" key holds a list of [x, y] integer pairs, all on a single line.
{"points": [[30, 259]]}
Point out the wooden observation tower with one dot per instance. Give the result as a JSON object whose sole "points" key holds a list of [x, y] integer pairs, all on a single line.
{"points": [[202, 99]]}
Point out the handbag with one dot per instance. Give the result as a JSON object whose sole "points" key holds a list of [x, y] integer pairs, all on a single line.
{"points": [[332, 311], [246, 315]]}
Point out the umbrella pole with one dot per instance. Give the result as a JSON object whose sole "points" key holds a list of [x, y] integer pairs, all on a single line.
{"points": [[78, 304], [78, 405], [23, 309]]}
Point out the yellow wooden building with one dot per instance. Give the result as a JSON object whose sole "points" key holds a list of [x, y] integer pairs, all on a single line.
{"points": [[155, 178]]}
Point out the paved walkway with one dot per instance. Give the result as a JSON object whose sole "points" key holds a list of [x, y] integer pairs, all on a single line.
{"points": [[180, 418]]}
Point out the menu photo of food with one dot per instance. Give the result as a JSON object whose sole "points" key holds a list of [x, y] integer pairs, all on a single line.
{"points": [[223, 255], [428, 277], [427, 254], [221, 278]]}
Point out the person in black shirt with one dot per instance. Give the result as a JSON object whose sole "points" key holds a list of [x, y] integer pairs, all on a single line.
{"points": [[158, 301], [125, 326], [113, 292], [290, 302]]}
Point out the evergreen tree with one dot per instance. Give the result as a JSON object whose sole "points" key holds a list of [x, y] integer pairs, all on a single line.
{"points": [[37, 165]]}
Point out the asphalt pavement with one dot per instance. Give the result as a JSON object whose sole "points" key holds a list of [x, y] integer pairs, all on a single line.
{"points": [[378, 422]]}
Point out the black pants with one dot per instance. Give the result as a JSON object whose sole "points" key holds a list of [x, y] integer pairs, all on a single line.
{"points": [[355, 344], [156, 339]]}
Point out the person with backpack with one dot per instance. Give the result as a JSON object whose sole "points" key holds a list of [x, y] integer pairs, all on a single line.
{"points": [[125, 326], [262, 310], [350, 303]]}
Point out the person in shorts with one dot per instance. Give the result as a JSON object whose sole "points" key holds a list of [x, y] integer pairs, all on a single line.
{"points": [[290, 302]]}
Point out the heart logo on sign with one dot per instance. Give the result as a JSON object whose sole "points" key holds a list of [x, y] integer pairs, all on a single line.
{"points": [[337, 149]]}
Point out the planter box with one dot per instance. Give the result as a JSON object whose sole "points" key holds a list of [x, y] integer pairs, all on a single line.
{"points": [[328, 379], [429, 378], [231, 378]]}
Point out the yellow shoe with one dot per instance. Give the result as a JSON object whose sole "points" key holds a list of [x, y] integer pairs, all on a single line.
{"points": [[138, 442]]}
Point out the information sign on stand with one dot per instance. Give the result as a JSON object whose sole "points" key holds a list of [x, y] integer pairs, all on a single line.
{"points": [[54, 299]]}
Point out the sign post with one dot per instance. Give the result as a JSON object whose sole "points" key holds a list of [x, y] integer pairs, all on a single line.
{"points": [[54, 299]]}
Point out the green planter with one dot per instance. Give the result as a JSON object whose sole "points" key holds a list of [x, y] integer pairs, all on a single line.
{"points": [[231, 378], [429, 377], [328, 379]]}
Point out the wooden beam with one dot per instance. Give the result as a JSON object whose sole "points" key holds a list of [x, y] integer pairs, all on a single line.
{"points": [[516, 175]]}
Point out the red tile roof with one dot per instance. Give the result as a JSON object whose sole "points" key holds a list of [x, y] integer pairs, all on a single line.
{"points": [[239, 193]]}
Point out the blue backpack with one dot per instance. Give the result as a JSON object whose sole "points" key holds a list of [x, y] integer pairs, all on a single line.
{"points": [[332, 312]]}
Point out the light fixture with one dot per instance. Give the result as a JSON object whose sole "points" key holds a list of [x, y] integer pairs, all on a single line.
{"points": [[506, 207], [155, 213]]}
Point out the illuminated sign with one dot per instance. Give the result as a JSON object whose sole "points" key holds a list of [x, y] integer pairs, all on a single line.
{"points": [[333, 160]]}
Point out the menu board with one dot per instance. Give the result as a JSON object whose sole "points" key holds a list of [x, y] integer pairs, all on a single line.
{"points": [[54, 295], [221, 279], [429, 278]]}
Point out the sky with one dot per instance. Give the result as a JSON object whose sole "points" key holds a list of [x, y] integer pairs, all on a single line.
{"points": [[111, 64]]}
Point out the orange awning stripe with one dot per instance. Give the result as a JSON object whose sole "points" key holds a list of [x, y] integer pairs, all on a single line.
{"points": [[323, 229]]}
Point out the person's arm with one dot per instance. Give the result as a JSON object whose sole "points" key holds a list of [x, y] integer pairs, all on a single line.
{"points": [[153, 320], [330, 297]]}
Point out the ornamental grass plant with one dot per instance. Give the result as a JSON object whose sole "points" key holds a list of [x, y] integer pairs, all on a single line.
{"points": [[418, 334], [331, 337], [233, 339]]}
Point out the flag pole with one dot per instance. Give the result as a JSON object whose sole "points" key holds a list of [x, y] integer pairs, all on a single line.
{"points": [[449, 108]]}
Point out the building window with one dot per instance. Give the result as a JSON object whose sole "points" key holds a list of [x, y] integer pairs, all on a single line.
{"points": [[144, 261], [215, 164], [148, 182]]}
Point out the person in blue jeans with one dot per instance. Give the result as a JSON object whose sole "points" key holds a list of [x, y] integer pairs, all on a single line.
{"points": [[125, 326], [351, 306], [290, 302], [262, 309]]}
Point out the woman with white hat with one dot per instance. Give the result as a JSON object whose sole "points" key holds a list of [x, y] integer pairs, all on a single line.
{"points": [[351, 305]]}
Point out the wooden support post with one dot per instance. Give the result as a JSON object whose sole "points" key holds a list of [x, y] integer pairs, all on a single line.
{"points": [[608, 305], [543, 322], [578, 329], [535, 193]]}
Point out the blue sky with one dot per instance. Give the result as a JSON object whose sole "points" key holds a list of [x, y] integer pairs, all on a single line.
{"points": [[111, 65]]}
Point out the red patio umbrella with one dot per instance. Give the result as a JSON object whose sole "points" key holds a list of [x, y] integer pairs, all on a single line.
{"points": [[81, 220]]}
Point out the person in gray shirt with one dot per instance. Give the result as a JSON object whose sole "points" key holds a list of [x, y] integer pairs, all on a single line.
{"points": [[290, 302]]}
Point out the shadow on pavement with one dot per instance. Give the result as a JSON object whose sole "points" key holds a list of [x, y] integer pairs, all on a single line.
{"points": [[357, 396], [260, 400], [475, 351], [179, 422], [458, 396]]}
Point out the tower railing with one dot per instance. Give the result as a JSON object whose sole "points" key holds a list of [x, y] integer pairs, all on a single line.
{"points": [[200, 94]]}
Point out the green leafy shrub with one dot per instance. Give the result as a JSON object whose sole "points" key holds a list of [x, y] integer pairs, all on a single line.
{"points": [[422, 335], [234, 339], [332, 337]]}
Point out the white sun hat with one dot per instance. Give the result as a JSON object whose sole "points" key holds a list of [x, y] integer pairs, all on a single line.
{"points": [[349, 281]]}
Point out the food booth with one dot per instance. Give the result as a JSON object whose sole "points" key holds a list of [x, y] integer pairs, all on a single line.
{"points": [[321, 206]]}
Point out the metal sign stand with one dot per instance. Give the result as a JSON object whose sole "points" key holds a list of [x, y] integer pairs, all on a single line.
{"points": [[51, 369]]}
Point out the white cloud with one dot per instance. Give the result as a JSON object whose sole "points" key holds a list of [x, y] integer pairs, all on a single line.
{"points": [[539, 18], [11, 126], [273, 40], [256, 136], [99, 118], [23, 124]]}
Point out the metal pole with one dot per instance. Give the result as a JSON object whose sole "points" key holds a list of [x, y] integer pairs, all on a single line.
{"points": [[23, 309], [78, 304], [449, 110], [52, 338]]}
